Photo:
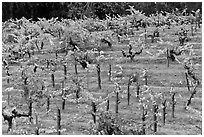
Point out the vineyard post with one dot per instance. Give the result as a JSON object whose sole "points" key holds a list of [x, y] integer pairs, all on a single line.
{"points": [[87, 72], [164, 111], [167, 57], [173, 104], [187, 82], [36, 44], [116, 103], [48, 103], [58, 121], [155, 111], [53, 80], [65, 71], [199, 23], [196, 27], [191, 96], [7, 79], [191, 29], [107, 104], [144, 113], [63, 103], [126, 28], [77, 91], [107, 23], [29, 54], [42, 45], [43, 87], [8, 74], [145, 79], [25, 80], [197, 20], [36, 122], [94, 112], [63, 99], [30, 109], [10, 124], [59, 34], [47, 61], [75, 66], [26, 90], [66, 46], [56, 55], [152, 38], [62, 88], [109, 73], [138, 90], [99, 75], [145, 36], [98, 69], [118, 34], [128, 91]]}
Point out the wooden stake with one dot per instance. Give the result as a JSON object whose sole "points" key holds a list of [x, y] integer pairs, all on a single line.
{"points": [[48, 104], [118, 35], [108, 104], [99, 75], [42, 45], [145, 36], [144, 113], [30, 109], [62, 88], [53, 80], [63, 103], [48, 63], [191, 29], [63, 99], [138, 91], [187, 82], [167, 57], [87, 79], [94, 111], [126, 28], [77, 92], [10, 123], [191, 96], [56, 55], [65, 71], [58, 121], [173, 104], [109, 72], [107, 25], [8, 74], [33, 52], [36, 122], [59, 34], [75, 66], [164, 111], [152, 38], [145, 80], [128, 91], [155, 111], [116, 103]]}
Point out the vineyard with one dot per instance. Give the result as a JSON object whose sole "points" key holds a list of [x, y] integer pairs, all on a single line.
{"points": [[131, 75]]}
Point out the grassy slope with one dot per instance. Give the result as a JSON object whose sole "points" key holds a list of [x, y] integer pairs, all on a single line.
{"points": [[76, 116]]}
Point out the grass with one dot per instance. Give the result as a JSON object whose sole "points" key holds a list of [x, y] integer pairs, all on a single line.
{"points": [[76, 117]]}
